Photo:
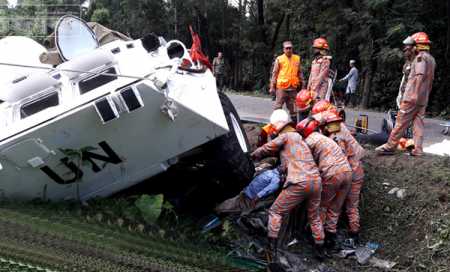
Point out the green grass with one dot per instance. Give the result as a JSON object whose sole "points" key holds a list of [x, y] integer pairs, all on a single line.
{"points": [[72, 238]]}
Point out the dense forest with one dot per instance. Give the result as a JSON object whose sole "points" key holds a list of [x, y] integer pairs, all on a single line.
{"points": [[250, 32]]}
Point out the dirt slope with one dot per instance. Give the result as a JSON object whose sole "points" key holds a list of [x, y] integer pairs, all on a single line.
{"points": [[413, 231]]}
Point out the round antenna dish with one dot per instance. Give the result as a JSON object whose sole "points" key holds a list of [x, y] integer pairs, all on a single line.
{"points": [[74, 37]]}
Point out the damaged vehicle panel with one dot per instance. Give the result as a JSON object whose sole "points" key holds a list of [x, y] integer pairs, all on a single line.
{"points": [[108, 117]]}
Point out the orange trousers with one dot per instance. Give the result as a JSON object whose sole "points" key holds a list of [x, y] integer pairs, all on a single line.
{"points": [[334, 192], [289, 198], [408, 113]]}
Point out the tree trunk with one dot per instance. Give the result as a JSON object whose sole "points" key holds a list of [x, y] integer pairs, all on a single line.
{"points": [[277, 31], [366, 88], [288, 27], [224, 13], [175, 17], [260, 4], [203, 29], [447, 51], [261, 22], [237, 63]]}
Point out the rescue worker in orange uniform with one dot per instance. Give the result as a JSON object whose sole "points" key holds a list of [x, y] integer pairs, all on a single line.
{"points": [[287, 79], [303, 182], [334, 127], [409, 54], [335, 172], [304, 102], [415, 98], [320, 66]]}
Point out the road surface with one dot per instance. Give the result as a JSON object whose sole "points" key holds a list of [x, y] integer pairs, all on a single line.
{"points": [[259, 109]]}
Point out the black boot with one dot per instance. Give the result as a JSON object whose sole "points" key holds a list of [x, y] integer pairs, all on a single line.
{"points": [[319, 252], [272, 261], [330, 240], [272, 250], [355, 237]]}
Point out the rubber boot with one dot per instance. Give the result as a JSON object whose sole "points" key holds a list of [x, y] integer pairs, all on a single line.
{"points": [[272, 256], [272, 250], [355, 237], [330, 240], [319, 252]]}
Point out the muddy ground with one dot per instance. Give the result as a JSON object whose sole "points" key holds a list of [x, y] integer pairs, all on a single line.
{"points": [[114, 234], [414, 231]]}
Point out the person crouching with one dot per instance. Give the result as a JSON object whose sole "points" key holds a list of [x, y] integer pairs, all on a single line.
{"points": [[303, 182], [336, 175], [334, 128]]}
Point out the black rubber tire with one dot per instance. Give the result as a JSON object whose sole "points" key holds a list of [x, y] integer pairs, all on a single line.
{"points": [[228, 162]]}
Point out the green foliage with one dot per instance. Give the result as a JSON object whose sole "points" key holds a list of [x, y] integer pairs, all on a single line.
{"points": [[150, 207], [370, 31], [102, 16]]}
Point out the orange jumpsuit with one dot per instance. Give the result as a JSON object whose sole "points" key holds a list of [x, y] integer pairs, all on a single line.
{"points": [[414, 102], [336, 177], [318, 78], [355, 152], [302, 182]]}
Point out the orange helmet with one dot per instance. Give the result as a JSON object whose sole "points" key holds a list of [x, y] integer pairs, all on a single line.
{"points": [[421, 38], [304, 99], [266, 131], [321, 43], [323, 105], [405, 144], [331, 117], [332, 122], [307, 126]]}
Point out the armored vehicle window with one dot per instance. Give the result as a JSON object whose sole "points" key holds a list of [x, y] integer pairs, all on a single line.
{"points": [[40, 104], [89, 84]]}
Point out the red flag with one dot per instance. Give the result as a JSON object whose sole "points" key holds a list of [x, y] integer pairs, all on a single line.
{"points": [[196, 50]]}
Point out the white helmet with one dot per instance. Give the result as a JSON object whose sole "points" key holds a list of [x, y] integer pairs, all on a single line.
{"points": [[279, 118], [409, 41]]}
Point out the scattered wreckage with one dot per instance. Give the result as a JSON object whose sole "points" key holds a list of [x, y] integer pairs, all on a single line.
{"points": [[109, 116]]}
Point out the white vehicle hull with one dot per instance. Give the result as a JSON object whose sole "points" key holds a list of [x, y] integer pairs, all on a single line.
{"points": [[67, 152], [144, 142]]}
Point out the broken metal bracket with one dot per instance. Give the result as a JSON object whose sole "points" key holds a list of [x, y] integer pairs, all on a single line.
{"points": [[170, 109]]}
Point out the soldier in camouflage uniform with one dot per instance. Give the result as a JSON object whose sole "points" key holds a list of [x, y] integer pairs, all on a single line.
{"points": [[219, 70]]}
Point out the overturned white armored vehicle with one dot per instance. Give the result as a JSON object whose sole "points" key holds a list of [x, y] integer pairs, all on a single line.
{"points": [[109, 116]]}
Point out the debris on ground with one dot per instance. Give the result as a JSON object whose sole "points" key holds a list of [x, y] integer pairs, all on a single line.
{"points": [[383, 264], [401, 193], [414, 232], [119, 234]]}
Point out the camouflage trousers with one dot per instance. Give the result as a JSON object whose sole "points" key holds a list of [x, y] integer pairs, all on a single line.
{"points": [[352, 200], [293, 195], [334, 192], [408, 113]]}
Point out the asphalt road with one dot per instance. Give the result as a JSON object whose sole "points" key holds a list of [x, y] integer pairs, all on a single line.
{"points": [[259, 109]]}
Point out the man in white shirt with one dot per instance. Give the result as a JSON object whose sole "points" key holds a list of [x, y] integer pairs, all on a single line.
{"points": [[352, 83]]}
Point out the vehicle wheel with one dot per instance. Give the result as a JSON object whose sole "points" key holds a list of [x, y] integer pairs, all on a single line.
{"points": [[229, 154]]}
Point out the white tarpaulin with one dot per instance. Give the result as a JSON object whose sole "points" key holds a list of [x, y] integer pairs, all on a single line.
{"points": [[442, 148]]}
